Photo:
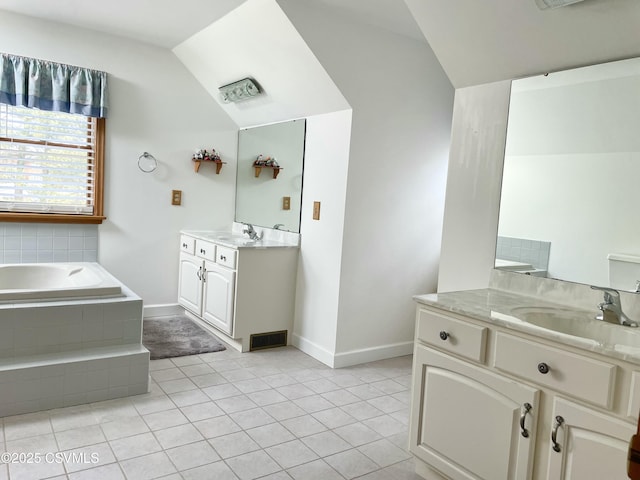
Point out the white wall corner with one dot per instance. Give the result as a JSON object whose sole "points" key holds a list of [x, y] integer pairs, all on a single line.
{"points": [[313, 349], [473, 186]]}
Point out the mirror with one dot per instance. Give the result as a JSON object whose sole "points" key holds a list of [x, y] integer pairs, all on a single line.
{"points": [[268, 193], [571, 172]]}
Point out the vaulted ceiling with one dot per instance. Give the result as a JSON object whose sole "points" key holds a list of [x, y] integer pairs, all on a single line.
{"points": [[475, 41]]}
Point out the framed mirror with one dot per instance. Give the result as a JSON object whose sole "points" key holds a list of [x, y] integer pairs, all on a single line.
{"points": [[270, 173], [568, 208]]}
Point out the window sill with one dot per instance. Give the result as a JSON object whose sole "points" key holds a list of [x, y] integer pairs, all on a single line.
{"points": [[50, 218]]}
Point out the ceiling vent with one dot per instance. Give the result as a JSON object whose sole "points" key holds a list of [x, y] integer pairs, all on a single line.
{"points": [[544, 4]]}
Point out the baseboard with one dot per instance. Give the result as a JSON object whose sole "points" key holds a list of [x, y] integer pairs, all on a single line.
{"points": [[312, 349], [150, 311], [365, 355], [353, 357]]}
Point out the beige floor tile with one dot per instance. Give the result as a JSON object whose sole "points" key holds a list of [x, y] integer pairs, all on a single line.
{"points": [[253, 465], [193, 455], [234, 444], [147, 467]]}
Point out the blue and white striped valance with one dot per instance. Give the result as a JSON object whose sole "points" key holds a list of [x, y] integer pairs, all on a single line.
{"points": [[56, 87]]}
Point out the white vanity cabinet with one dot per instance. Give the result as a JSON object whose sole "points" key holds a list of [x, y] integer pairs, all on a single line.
{"points": [[241, 292], [588, 444], [477, 387], [218, 295], [468, 423]]}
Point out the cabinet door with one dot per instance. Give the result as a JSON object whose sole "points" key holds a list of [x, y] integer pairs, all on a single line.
{"points": [[465, 422], [190, 283], [218, 297], [591, 444]]}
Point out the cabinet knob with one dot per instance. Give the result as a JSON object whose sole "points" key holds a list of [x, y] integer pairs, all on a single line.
{"points": [[543, 368], [443, 335]]}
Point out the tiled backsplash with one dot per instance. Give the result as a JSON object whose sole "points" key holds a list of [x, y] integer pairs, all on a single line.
{"points": [[533, 252], [47, 242]]}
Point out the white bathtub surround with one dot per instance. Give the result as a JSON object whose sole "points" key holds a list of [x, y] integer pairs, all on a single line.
{"points": [[59, 352], [48, 242]]}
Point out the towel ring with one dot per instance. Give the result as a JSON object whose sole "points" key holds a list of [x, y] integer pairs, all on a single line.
{"points": [[147, 162]]}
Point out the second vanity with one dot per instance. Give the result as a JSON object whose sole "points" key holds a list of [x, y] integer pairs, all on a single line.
{"points": [[508, 386], [244, 289]]}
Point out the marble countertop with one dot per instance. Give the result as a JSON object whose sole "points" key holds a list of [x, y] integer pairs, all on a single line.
{"points": [[509, 310], [235, 240]]}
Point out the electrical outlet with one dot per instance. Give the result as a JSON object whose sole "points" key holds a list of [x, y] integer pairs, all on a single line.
{"points": [[176, 197], [286, 203], [316, 210]]}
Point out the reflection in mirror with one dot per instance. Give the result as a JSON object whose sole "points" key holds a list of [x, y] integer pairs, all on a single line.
{"points": [[569, 205], [270, 195]]}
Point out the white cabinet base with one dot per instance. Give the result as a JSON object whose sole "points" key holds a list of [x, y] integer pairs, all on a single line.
{"points": [[238, 293]]}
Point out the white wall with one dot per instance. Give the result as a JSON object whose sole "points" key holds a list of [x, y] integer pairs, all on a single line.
{"points": [[401, 102], [257, 40], [158, 107], [473, 186], [319, 286]]}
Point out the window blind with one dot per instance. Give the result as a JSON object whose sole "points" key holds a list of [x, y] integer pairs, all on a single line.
{"points": [[47, 161]]}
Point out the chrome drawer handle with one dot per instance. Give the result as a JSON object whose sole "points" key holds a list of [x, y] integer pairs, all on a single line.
{"points": [[184, 245], [543, 368], [203, 251], [199, 274], [444, 335], [526, 408], [554, 433], [223, 258]]}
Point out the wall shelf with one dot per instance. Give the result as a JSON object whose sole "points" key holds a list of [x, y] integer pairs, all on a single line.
{"points": [[198, 161], [258, 169]]}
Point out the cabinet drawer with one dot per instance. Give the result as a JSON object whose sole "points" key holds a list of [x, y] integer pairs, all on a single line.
{"points": [[462, 338], [206, 250], [226, 256], [187, 244], [581, 377]]}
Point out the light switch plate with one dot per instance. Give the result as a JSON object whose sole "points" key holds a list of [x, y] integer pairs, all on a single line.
{"points": [[286, 203], [316, 210], [176, 197]]}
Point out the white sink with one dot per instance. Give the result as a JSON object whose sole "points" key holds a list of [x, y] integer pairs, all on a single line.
{"points": [[235, 240], [579, 324]]}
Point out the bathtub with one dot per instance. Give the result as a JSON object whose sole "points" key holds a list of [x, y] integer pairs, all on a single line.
{"points": [[53, 281], [70, 334]]}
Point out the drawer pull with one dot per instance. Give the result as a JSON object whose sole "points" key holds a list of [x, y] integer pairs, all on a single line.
{"points": [[526, 408], [203, 251], [554, 433], [444, 335], [223, 258], [184, 245], [543, 368], [199, 274]]}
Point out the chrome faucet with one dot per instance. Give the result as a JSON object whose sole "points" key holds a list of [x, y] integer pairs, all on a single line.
{"points": [[253, 235], [611, 308]]}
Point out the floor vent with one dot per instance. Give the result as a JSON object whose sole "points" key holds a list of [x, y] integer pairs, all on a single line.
{"points": [[259, 341]]}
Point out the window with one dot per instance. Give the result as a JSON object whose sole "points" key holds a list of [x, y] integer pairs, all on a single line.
{"points": [[51, 166]]}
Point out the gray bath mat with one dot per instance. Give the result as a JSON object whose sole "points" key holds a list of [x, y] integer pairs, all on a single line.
{"points": [[176, 337]]}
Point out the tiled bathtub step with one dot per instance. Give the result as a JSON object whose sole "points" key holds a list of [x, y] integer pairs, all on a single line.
{"points": [[57, 380]]}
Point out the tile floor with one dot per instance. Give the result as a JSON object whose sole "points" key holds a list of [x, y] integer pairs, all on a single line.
{"points": [[276, 414]]}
